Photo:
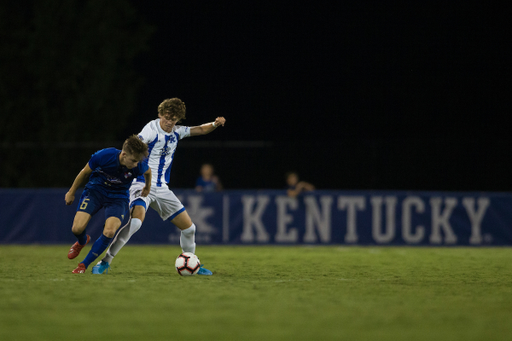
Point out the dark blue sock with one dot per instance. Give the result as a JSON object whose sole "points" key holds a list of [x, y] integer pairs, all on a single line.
{"points": [[97, 249], [82, 238]]}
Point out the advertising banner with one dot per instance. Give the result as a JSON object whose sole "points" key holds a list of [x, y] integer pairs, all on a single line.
{"points": [[271, 217]]}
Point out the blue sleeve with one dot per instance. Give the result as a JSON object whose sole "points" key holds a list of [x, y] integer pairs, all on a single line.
{"points": [[96, 159]]}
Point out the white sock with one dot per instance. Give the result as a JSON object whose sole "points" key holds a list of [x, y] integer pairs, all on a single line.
{"points": [[122, 238], [188, 239]]}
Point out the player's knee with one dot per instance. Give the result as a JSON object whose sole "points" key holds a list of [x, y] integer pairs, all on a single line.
{"points": [[109, 233], [111, 226], [182, 221], [77, 229]]}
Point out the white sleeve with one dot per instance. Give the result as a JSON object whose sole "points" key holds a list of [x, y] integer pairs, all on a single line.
{"points": [[147, 134], [183, 131]]}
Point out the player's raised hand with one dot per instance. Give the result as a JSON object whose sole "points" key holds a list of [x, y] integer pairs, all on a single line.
{"points": [[220, 121], [145, 191], [69, 198]]}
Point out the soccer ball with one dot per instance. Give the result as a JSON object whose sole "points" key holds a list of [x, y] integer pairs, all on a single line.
{"points": [[187, 264]]}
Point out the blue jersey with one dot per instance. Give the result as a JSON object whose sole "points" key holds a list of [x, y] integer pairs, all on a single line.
{"points": [[208, 186], [109, 177]]}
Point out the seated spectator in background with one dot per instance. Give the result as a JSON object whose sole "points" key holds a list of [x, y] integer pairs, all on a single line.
{"points": [[208, 181], [295, 187]]}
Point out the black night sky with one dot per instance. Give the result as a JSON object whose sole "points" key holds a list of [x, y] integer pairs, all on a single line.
{"points": [[365, 95]]}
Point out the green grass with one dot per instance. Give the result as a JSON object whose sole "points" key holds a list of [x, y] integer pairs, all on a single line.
{"points": [[260, 293]]}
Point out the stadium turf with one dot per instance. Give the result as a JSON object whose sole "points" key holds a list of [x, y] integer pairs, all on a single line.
{"points": [[260, 293]]}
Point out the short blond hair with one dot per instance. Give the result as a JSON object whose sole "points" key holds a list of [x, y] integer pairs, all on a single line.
{"points": [[134, 146]]}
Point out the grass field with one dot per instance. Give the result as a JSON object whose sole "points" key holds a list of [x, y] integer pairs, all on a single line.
{"points": [[260, 293]]}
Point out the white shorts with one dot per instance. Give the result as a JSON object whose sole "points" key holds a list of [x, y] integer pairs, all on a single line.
{"points": [[161, 199]]}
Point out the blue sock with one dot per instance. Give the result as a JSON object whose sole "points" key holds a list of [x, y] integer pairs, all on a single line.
{"points": [[97, 249], [82, 238]]}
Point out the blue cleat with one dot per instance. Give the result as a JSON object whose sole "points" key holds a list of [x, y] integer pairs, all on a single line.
{"points": [[102, 267], [202, 271]]}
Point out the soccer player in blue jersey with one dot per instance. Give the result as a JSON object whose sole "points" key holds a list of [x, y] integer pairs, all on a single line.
{"points": [[162, 136], [110, 173]]}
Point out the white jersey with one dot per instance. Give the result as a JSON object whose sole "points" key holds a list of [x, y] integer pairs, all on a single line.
{"points": [[161, 148]]}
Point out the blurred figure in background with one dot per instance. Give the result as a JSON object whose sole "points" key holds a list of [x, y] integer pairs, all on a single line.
{"points": [[208, 181], [295, 186]]}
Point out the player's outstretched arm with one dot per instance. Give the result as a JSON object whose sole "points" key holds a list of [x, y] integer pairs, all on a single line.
{"points": [[207, 128], [147, 187], [80, 179], [305, 186], [302, 186]]}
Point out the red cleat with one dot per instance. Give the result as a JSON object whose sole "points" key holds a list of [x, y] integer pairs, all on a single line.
{"points": [[76, 248], [80, 269]]}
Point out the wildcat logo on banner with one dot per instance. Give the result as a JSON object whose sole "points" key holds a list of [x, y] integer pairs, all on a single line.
{"points": [[267, 216]]}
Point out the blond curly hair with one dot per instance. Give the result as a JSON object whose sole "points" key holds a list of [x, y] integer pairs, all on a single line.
{"points": [[172, 107]]}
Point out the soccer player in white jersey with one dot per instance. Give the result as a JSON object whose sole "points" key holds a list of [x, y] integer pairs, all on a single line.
{"points": [[162, 136]]}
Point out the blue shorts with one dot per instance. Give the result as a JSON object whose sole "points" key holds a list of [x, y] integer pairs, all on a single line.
{"points": [[92, 201]]}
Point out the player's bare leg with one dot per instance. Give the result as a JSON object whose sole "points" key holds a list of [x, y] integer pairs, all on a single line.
{"points": [[79, 224], [111, 226], [187, 238], [138, 214]]}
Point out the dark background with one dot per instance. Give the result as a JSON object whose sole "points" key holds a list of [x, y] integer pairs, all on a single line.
{"points": [[358, 96]]}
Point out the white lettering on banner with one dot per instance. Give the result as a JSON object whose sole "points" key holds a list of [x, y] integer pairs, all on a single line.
{"points": [[318, 215], [199, 214], [283, 219], [407, 235], [322, 221], [377, 235], [253, 219], [351, 204], [476, 217], [442, 220]]}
